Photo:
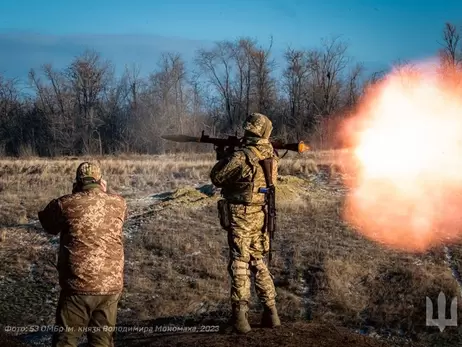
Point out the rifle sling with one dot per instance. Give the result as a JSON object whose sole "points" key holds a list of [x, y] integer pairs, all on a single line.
{"points": [[254, 156]]}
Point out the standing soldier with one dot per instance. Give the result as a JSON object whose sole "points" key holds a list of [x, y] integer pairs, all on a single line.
{"points": [[91, 258], [242, 215]]}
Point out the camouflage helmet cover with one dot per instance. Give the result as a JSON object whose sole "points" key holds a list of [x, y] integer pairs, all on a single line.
{"points": [[88, 170], [259, 125]]}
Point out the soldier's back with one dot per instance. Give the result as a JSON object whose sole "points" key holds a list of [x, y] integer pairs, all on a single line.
{"points": [[91, 247]]}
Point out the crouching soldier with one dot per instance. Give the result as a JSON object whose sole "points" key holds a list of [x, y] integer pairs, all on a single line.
{"points": [[91, 258]]}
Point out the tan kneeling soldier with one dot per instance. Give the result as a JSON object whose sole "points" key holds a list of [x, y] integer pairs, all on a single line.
{"points": [[242, 214], [91, 258]]}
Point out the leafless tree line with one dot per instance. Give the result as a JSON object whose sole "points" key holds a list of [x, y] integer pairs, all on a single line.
{"points": [[86, 109]]}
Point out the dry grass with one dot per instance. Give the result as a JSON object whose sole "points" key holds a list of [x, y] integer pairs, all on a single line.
{"points": [[176, 255], [27, 185]]}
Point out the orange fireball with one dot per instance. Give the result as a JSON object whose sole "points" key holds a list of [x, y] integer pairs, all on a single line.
{"points": [[407, 140]]}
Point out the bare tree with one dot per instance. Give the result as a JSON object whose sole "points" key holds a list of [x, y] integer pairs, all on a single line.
{"points": [[354, 87], [88, 76], [316, 86], [295, 80], [262, 66], [451, 52], [327, 66], [10, 108], [56, 103], [216, 67]]}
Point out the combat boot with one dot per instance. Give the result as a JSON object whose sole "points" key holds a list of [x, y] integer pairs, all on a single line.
{"points": [[270, 318], [240, 314]]}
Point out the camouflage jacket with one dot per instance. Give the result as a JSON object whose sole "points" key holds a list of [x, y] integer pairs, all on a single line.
{"points": [[240, 177], [91, 254]]}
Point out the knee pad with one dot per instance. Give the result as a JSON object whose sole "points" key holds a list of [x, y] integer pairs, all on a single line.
{"points": [[237, 267]]}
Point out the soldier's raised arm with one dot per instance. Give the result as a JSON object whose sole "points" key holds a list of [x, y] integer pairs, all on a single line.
{"points": [[51, 217], [227, 170]]}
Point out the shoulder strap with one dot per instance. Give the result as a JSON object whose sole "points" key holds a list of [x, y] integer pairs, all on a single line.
{"points": [[253, 154]]}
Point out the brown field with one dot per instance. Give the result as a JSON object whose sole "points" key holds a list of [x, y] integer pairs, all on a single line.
{"points": [[332, 283]]}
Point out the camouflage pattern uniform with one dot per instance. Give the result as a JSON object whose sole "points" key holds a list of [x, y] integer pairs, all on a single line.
{"points": [[242, 214], [91, 257]]}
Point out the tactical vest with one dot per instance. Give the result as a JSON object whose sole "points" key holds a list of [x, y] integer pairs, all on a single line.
{"points": [[245, 191]]}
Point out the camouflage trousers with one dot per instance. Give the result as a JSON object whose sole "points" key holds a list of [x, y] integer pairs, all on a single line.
{"points": [[248, 244], [95, 315]]}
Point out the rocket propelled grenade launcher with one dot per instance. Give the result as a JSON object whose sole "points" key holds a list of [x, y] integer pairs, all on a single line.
{"points": [[233, 141]]}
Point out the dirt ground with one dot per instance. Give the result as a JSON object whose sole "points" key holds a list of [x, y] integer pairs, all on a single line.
{"points": [[289, 334]]}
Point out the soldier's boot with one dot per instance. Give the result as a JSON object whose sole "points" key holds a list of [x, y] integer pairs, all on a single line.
{"points": [[270, 317], [240, 316]]}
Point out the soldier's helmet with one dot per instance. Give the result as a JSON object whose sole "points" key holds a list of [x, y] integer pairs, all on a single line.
{"points": [[258, 125], [88, 172]]}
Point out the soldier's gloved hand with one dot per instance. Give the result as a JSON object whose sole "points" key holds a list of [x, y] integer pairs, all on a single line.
{"points": [[221, 152], [224, 152]]}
